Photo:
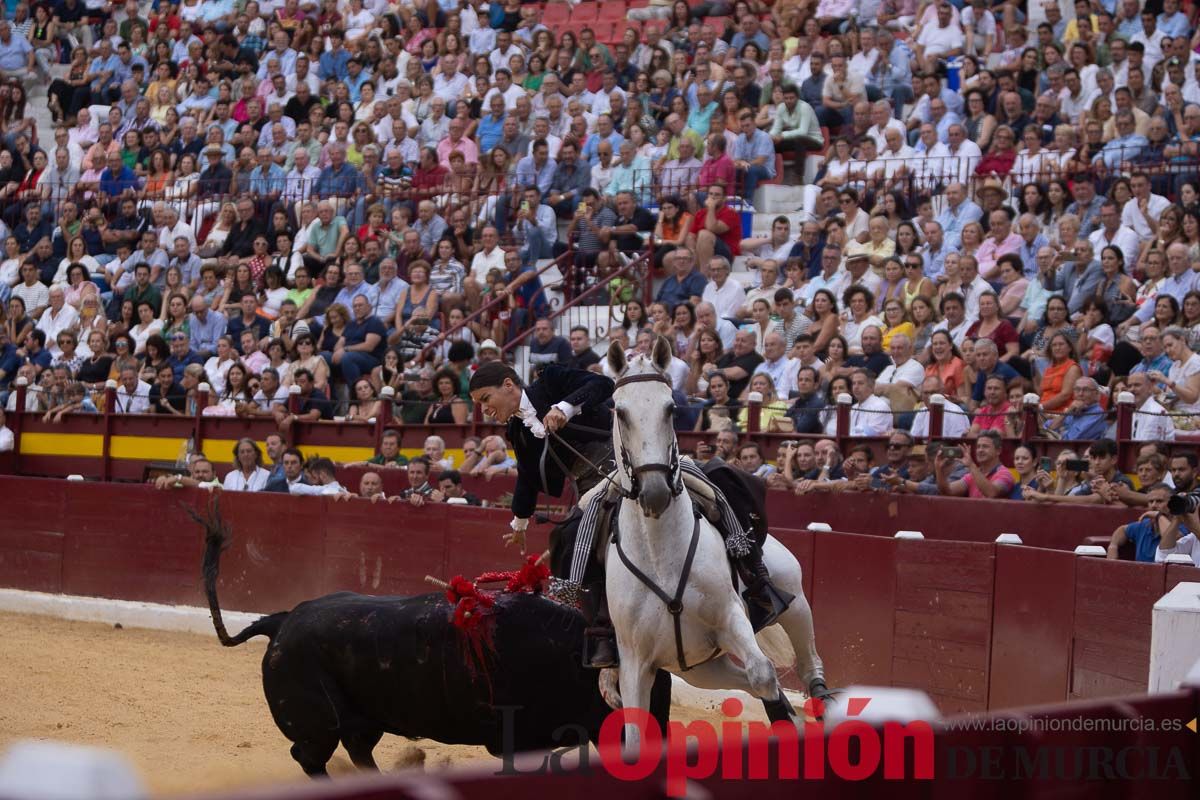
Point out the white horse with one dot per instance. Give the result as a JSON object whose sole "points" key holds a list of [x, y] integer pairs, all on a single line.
{"points": [[695, 619]]}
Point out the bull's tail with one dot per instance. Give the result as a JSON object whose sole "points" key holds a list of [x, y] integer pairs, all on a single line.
{"points": [[216, 539]]}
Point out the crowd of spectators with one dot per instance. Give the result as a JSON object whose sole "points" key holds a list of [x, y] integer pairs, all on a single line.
{"points": [[268, 197]]}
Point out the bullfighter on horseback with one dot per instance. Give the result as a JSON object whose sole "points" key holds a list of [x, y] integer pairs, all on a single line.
{"points": [[560, 426]]}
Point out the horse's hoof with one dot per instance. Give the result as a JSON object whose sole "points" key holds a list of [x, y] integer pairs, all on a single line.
{"points": [[820, 697]]}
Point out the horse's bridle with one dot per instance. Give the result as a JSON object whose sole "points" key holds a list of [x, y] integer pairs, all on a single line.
{"points": [[670, 470]]}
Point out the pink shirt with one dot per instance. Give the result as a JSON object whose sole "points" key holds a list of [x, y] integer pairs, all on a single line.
{"points": [[989, 252], [999, 475], [715, 169], [470, 152], [990, 418]]}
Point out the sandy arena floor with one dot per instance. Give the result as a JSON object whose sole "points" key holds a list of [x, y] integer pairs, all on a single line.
{"points": [[187, 712]]}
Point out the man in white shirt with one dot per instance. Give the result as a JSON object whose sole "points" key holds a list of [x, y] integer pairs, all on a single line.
{"points": [[955, 319], [964, 153], [322, 480], [1141, 212], [453, 88], [941, 41], [776, 365], [707, 319], [58, 317], [727, 296], [133, 394], [905, 374], [6, 436], [1150, 420], [955, 422], [1113, 232], [870, 415], [930, 163]]}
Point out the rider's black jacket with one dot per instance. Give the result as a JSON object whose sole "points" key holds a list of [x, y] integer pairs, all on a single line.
{"points": [[539, 470]]}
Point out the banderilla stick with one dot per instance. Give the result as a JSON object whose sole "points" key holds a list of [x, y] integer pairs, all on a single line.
{"points": [[437, 582]]}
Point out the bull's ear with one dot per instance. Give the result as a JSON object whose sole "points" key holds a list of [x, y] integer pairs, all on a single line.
{"points": [[662, 353], [616, 359]]}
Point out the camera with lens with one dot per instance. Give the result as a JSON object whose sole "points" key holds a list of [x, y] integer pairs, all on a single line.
{"points": [[1180, 504]]}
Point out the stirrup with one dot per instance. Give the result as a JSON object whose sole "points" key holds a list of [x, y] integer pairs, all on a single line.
{"points": [[600, 648], [760, 616]]}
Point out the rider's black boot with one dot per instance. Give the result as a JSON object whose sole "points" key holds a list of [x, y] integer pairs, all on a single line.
{"points": [[600, 640], [765, 601]]}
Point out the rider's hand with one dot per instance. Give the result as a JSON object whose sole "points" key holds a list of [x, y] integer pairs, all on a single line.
{"points": [[517, 538], [554, 420]]}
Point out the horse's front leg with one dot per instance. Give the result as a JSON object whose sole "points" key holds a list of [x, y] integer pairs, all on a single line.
{"points": [[637, 679], [737, 637]]}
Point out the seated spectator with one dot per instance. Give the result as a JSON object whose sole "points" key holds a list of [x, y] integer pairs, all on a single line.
{"points": [[370, 487], [248, 473], [772, 414], [292, 472], [1085, 418], [389, 455], [895, 471], [1102, 484], [1147, 532], [6, 435], [987, 363], [870, 415], [166, 396], [321, 479], [955, 421], [435, 453], [450, 488], [418, 480], [495, 460], [1178, 537], [311, 403], [133, 394], [807, 402], [995, 413], [1150, 420], [200, 474], [856, 475], [986, 476], [750, 460]]}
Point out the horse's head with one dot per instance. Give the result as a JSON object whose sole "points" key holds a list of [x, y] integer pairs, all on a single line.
{"points": [[646, 451]]}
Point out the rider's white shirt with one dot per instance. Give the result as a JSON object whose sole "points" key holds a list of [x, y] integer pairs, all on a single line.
{"points": [[530, 418]]}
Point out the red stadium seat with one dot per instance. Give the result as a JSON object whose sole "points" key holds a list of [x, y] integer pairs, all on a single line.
{"points": [[638, 3], [603, 29], [556, 14], [612, 10], [584, 13]]}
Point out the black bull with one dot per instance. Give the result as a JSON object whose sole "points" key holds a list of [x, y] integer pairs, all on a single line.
{"points": [[349, 668]]}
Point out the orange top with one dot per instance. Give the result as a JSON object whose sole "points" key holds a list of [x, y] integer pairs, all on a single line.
{"points": [[1052, 384], [951, 374]]}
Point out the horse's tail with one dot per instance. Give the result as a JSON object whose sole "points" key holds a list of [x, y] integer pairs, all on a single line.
{"points": [[216, 539], [777, 646]]}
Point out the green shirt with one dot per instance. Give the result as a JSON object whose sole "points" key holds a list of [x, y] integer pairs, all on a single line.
{"points": [[323, 238], [801, 123], [399, 460]]}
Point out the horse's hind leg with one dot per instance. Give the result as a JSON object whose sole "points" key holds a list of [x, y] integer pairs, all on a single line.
{"points": [[361, 746], [797, 621]]}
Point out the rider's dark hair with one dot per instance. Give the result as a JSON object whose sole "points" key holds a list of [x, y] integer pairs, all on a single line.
{"points": [[493, 374]]}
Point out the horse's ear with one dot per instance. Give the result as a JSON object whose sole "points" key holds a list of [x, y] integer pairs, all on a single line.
{"points": [[662, 353], [616, 359]]}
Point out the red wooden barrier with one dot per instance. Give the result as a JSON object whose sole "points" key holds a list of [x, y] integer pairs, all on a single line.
{"points": [[1033, 613], [855, 579], [943, 621], [1059, 527], [1113, 605]]}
